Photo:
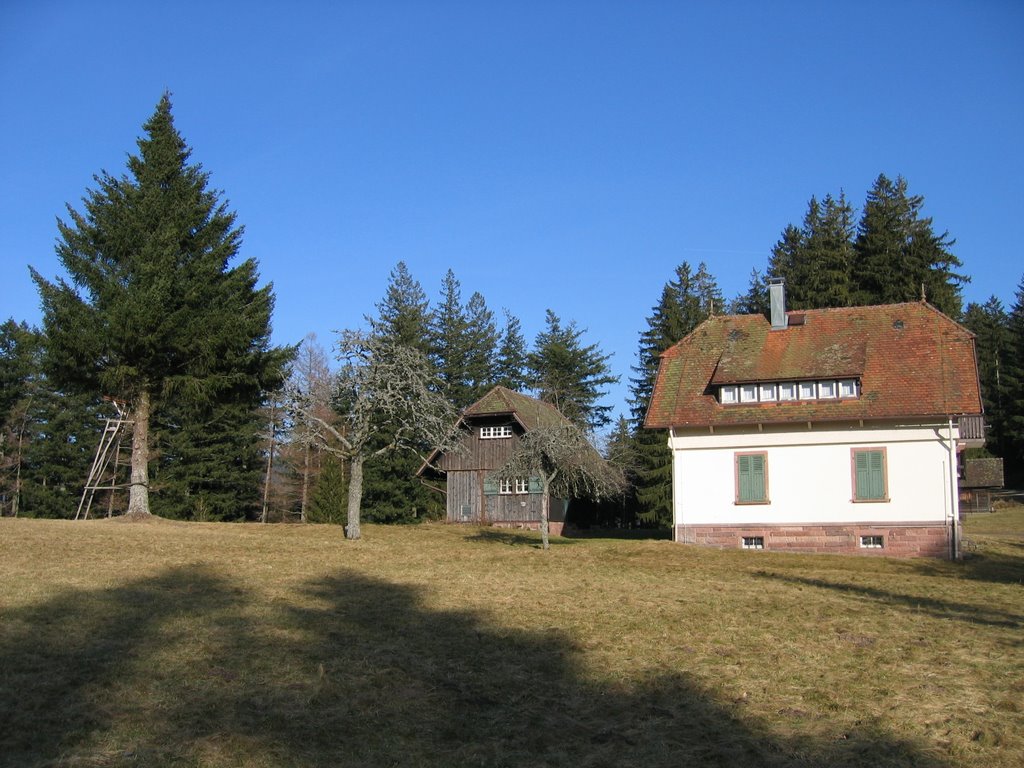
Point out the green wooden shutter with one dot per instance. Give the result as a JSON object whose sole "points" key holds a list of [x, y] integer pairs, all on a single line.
{"points": [[750, 477], [490, 486], [535, 485], [869, 470]]}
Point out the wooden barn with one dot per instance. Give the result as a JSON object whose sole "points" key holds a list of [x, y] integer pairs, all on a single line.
{"points": [[491, 429]]}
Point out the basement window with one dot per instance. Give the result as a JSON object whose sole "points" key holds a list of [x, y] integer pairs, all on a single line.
{"points": [[752, 542], [872, 542]]}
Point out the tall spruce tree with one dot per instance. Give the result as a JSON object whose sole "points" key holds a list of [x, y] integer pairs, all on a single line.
{"points": [[897, 253], [403, 315], [1014, 407], [481, 349], [390, 491], [815, 260], [449, 342], [569, 374], [686, 301], [990, 324], [755, 300], [154, 314], [510, 363]]}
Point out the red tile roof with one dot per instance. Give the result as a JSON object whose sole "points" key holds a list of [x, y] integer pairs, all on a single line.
{"points": [[910, 359]]}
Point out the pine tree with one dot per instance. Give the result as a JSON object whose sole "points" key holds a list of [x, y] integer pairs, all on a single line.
{"points": [[815, 260], [481, 349], [390, 490], [403, 315], [990, 325], [755, 300], [569, 374], [329, 500], [897, 253], [154, 314], [828, 251], [686, 301], [510, 364], [1014, 382], [449, 342]]}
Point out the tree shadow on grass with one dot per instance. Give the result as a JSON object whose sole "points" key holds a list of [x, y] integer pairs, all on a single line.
{"points": [[352, 671], [942, 609], [513, 537]]}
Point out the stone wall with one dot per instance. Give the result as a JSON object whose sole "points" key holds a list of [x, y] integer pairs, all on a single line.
{"points": [[898, 540]]}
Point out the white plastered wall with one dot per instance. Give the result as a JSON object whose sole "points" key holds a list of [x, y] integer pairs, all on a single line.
{"points": [[809, 475]]}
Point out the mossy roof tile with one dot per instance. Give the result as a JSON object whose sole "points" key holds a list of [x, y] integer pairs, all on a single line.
{"points": [[911, 360]]}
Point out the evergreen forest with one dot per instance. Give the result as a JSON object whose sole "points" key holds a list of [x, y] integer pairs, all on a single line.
{"points": [[158, 317]]}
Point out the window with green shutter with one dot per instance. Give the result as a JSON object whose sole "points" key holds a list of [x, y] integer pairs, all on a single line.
{"points": [[869, 474], [751, 478]]}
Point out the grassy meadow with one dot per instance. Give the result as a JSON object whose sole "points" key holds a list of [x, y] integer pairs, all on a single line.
{"points": [[189, 644]]}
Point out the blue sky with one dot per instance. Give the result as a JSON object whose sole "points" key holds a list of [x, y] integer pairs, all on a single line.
{"points": [[563, 155]]}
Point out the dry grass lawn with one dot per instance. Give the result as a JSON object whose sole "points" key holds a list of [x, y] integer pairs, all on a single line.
{"points": [[244, 645]]}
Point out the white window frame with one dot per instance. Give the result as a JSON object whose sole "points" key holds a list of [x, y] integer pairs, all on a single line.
{"points": [[729, 394], [873, 541], [505, 486], [807, 390], [752, 542], [847, 388], [495, 433], [787, 391], [522, 485], [748, 393], [828, 390], [768, 392]]}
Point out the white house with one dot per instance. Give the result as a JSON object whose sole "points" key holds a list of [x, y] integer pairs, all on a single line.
{"points": [[830, 430]]}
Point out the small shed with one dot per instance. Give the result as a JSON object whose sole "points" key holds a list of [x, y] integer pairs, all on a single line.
{"points": [[490, 432]]}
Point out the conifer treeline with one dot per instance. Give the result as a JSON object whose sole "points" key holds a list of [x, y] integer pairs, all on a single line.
{"points": [[48, 433]]}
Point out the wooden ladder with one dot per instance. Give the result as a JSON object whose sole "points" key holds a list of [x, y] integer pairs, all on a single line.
{"points": [[108, 456]]}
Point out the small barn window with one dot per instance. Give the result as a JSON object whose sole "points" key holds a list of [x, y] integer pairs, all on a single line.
{"points": [[872, 542], [752, 542], [492, 433], [505, 487], [522, 485]]}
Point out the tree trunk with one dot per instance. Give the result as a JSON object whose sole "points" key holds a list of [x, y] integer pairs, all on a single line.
{"points": [[270, 464], [544, 527], [138, 490], [355, 496], [305, 483]]}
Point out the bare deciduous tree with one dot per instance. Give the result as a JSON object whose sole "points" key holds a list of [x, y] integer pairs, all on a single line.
{"points": [[566, 463], [387, 398]]}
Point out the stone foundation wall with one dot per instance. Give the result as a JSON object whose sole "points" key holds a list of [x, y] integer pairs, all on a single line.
{"points": [[898, 539]]}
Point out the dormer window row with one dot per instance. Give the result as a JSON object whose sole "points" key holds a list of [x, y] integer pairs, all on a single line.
{"points": [[789, 391], [493, 433]]}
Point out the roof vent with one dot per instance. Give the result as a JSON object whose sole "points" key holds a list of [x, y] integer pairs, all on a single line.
{"points": [[898, 325], [777, 301]]}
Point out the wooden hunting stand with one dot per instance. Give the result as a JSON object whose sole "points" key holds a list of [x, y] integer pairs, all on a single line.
{"points": [[103, 474]]}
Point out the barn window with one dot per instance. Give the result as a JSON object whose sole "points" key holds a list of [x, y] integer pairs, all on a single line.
{"points": [[522, 485], [492, 433], [505, 486], [751, 478], [869, 474]]}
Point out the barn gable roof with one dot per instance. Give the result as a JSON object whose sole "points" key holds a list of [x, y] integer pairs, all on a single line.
{"points": [[910, 360]]}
